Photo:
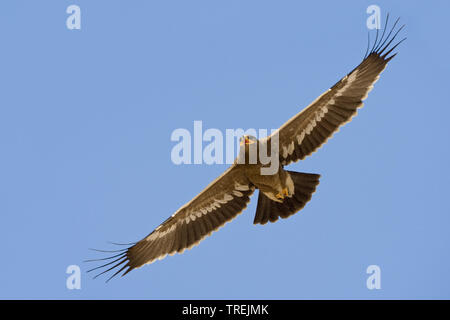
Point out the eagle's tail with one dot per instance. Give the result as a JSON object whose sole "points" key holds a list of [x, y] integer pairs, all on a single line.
{"points": [[304, 186]]}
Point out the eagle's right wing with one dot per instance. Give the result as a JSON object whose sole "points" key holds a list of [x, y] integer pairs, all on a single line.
{"points": [[217, 204]]}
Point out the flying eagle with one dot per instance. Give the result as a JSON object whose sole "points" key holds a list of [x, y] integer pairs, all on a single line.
{"points": [[281, 194]]}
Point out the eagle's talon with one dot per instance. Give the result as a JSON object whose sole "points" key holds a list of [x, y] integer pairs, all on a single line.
{"points": [[284, 192]]}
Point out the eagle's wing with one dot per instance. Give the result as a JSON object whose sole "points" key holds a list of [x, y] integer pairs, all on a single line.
{"points": [[308, 130], [217, 204]]}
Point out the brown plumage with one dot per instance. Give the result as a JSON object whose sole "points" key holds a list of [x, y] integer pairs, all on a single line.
{"points": [[281, 194]]}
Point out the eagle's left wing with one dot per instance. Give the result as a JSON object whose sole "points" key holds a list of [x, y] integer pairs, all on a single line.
{"points": [[217, 204], [308, 130]]}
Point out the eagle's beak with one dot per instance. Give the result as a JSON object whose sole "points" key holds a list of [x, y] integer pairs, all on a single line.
{"points": [[246, 141]]}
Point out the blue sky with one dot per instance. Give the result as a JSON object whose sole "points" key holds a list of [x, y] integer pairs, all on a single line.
{"points": [[86, 118]]}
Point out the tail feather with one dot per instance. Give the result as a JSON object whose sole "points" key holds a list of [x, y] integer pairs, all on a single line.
{"points": [[304, 186]]}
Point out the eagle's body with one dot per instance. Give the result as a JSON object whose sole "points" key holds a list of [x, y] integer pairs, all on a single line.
{"points": [[281, 193], [270, 185], [274, 186]]}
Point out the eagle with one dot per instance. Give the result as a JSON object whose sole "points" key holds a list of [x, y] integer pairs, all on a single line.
{"points": [[282, 193]]}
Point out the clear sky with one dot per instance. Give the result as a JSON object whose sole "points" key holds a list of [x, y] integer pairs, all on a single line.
{"points": [[86, 118]]}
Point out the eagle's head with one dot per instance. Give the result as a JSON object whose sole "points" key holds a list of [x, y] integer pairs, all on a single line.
{"points": [[247, 139], [248, 149]]}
